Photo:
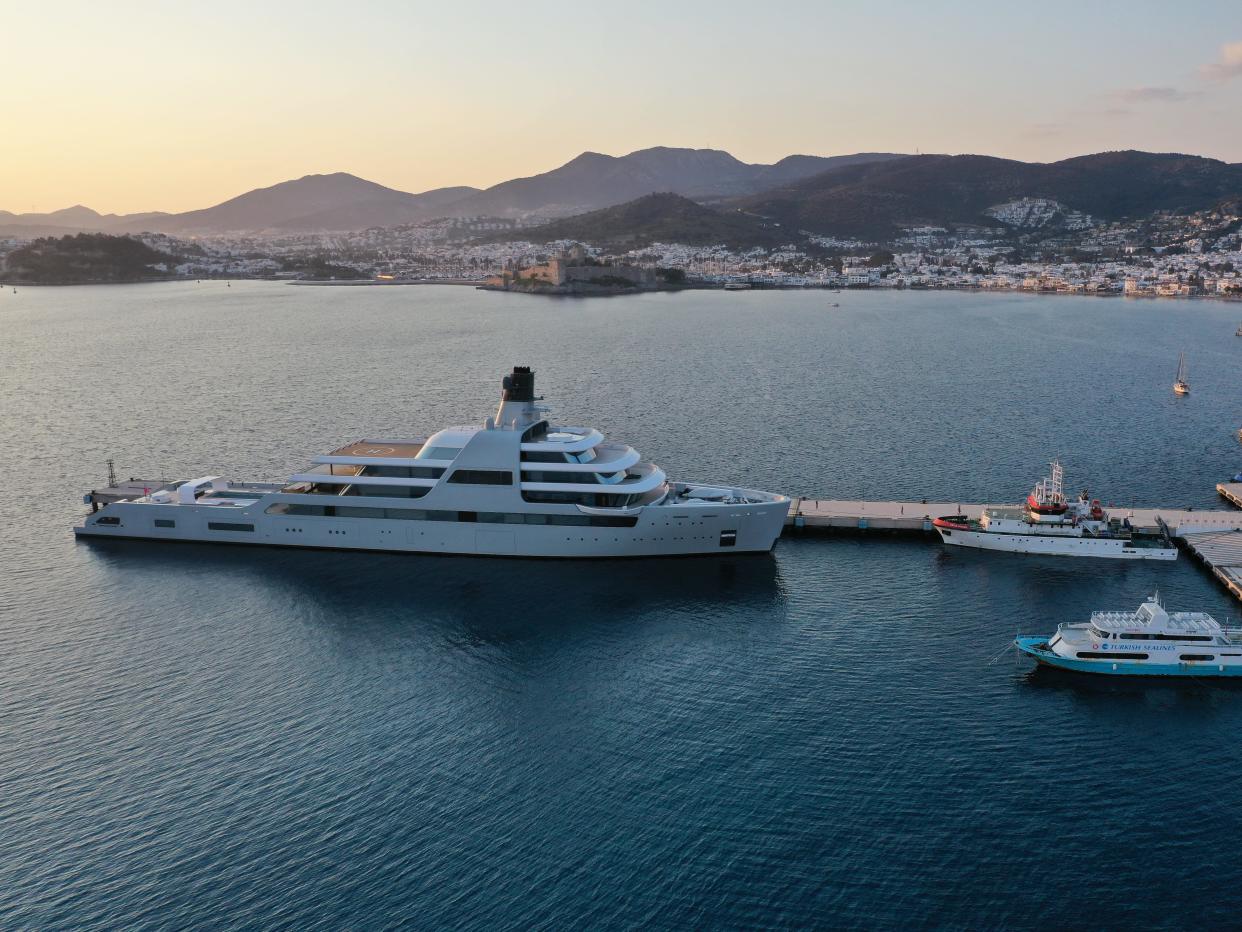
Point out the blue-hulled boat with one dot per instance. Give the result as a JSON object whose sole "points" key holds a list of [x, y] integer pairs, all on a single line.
{"points": [[1146, 642]]}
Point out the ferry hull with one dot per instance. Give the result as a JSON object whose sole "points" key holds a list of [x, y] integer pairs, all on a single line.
{"points": [[662, 531], [1036, 649], [1052, 546]]}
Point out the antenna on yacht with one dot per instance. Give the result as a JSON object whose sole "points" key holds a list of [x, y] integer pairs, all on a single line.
{"points": [[111, 474]]}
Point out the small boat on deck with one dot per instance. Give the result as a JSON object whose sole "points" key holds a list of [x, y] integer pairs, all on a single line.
{"points": [[1146, 642]]}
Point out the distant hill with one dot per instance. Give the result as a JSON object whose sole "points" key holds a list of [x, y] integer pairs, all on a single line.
{"points": [[338, 201], [76, 219], [592, 180], [84, 258], [874, 200], [384, 211], [869, 195], [668, 218]]}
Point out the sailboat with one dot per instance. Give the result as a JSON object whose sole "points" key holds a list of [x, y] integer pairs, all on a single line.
{"points": [[1180, 384]]}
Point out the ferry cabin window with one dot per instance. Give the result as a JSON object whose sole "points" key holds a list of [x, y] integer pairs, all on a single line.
{"points": [[165, 522], [481, 477], [1198, 657], [1110, 655]]}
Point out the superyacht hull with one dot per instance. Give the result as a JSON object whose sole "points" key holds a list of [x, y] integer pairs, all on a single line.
{"points": [[661, 531], [515, 486], [1053, 545]]}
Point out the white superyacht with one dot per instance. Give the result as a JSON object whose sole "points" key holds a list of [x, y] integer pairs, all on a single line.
{"points": [[1050, 525], [514, 486]]}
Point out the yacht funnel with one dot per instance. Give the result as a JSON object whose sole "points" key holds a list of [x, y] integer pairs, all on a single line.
{"points": [[518, 385], [517, 399]]}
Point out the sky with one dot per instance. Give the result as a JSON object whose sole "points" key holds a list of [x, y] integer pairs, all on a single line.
{"points": [[130, 105]]}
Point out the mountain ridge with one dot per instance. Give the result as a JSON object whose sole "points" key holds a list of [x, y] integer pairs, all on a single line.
{"points": [[876, 200], [868, 195], [592, 180]]}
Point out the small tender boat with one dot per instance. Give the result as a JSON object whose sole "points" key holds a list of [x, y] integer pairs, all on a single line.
{"points": [[1146, 642], [1238, 332], [1181, 384]]}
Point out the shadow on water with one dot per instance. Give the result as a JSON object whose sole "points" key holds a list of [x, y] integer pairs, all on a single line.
{"points": [[1139, 693], [490, 599]]}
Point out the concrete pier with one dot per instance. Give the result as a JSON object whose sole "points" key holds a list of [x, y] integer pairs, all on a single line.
{"points": [[830, 516], [1213, 536]]}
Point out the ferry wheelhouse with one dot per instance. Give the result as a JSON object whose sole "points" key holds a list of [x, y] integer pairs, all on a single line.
{"points": [[515, 485], [1050, 524], [1149, 641]]}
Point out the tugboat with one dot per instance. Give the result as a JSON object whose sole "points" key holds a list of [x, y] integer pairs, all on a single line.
{"points": [[1049, 524], [1146, 642], [1181, 384]]}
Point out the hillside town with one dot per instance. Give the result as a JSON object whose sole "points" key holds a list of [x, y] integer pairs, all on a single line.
{"points": [[1196, 255]]}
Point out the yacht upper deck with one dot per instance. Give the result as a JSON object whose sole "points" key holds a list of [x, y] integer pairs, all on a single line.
{"points": [[380, 449], [1151, 617]]}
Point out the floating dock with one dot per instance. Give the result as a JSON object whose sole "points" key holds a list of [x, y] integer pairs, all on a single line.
{"points": [[1221, 553], [1230, 492]]}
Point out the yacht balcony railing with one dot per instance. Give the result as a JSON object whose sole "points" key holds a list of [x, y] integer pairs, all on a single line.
{"points": [[610, 458]]}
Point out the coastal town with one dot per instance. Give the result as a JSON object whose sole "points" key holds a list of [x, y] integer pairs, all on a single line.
{"points": [[1176, 256]]}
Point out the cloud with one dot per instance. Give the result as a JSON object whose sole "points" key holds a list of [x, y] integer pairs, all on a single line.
{"points": [[1147, 95], [1228, 66]]}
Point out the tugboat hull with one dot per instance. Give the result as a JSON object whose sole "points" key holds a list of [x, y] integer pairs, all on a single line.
{"points": [[1049, 545]]}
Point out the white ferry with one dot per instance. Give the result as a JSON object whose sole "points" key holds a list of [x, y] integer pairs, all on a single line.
{"points": [[514, 486], [1048, 524], [1149, 642]]}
